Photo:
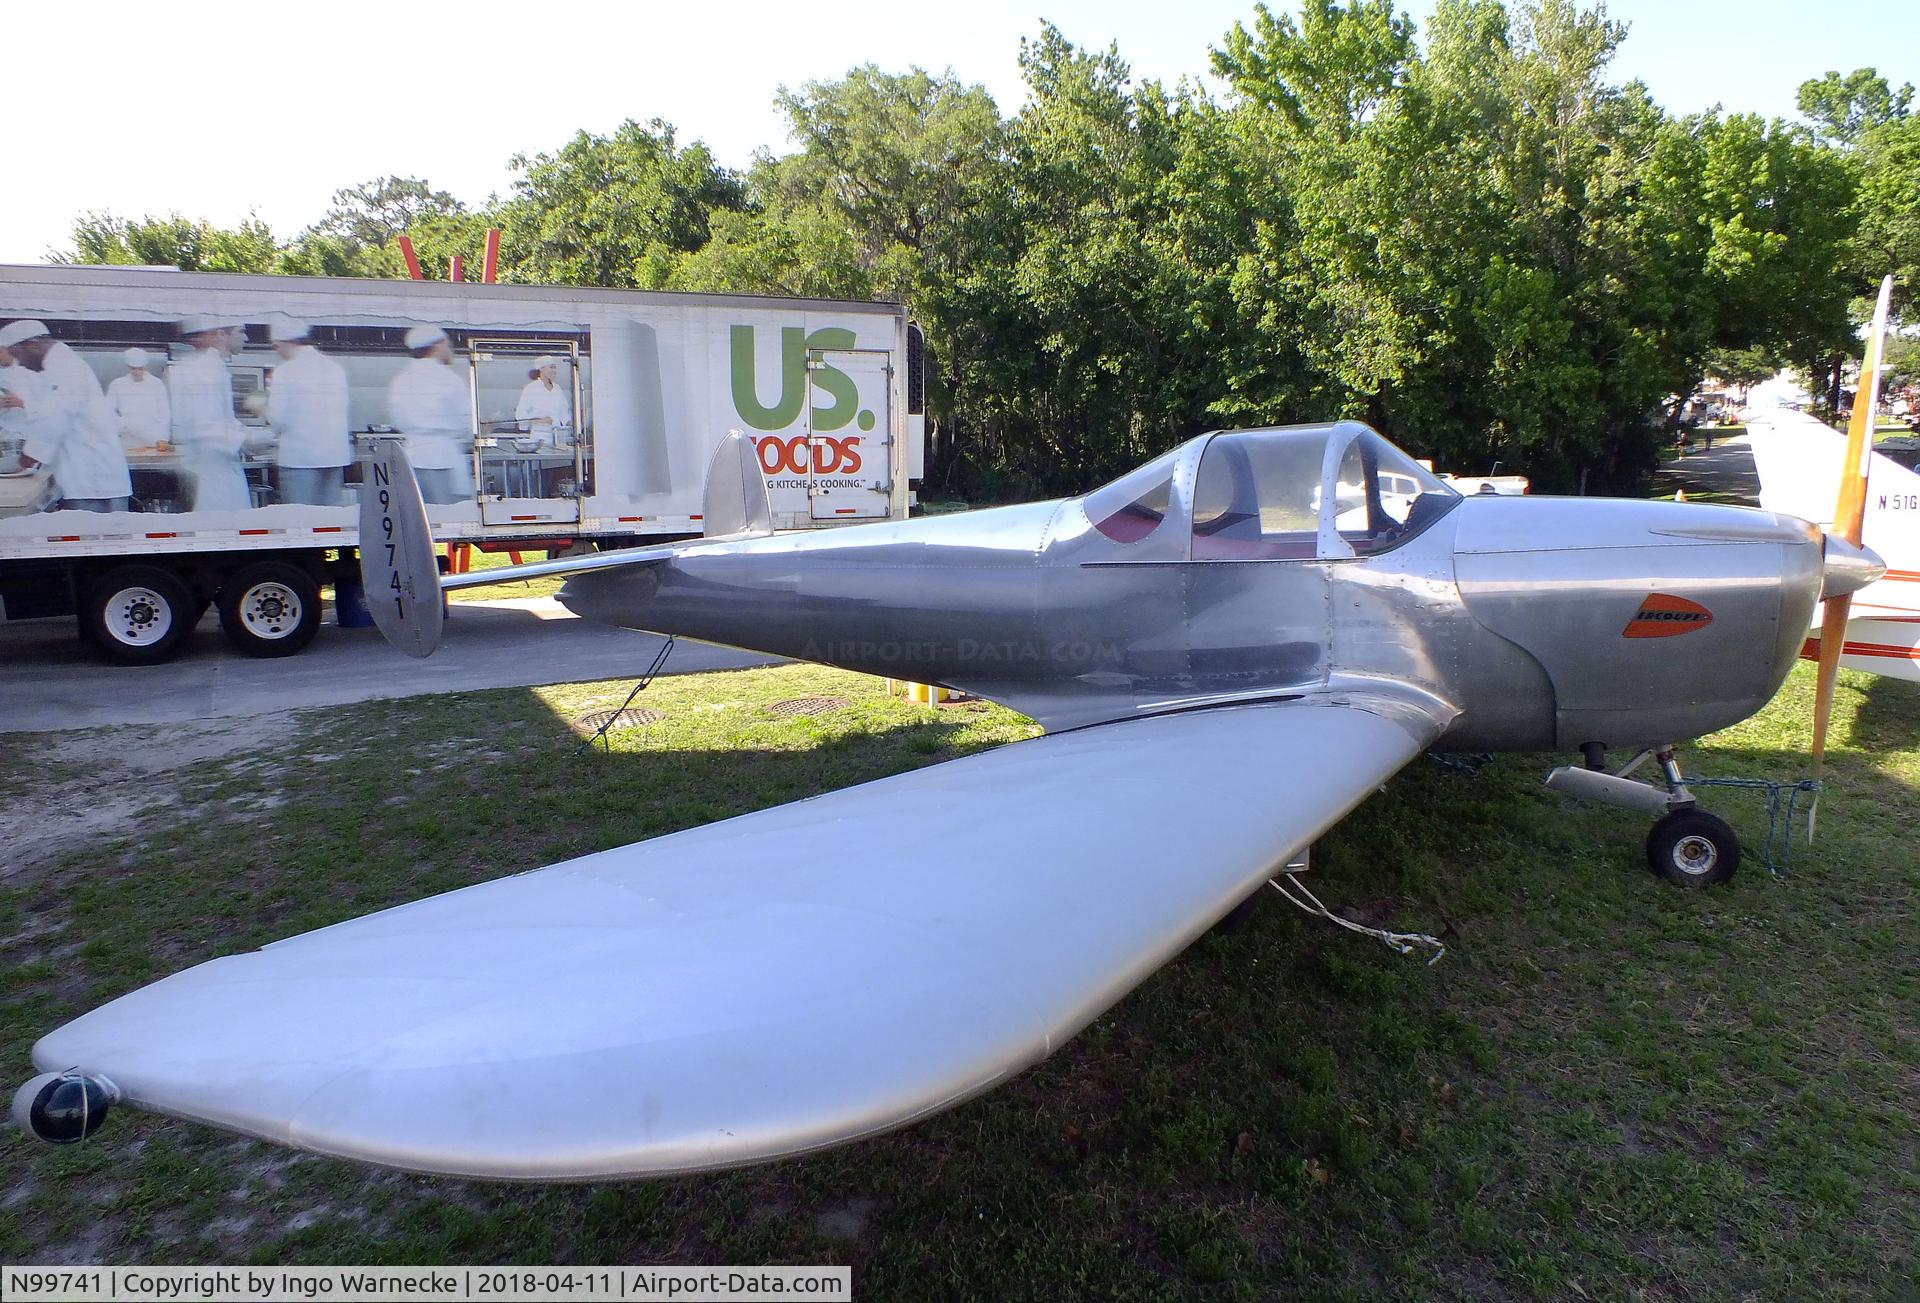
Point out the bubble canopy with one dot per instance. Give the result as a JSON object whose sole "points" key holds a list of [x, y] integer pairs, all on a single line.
{"points": [[1282, 494]]}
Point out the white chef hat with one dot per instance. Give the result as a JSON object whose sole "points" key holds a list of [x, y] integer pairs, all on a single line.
{"points": [[205, 321], [16, 332], [290, 331], [136, 357], [542, 363], [424, 337]]}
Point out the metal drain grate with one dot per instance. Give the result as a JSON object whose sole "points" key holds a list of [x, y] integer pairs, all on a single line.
{"points": [[633, 717], [793, 706]]}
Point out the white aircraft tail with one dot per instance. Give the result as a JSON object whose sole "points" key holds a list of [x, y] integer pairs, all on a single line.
{"points": [[401, 571], [1799, 462]]}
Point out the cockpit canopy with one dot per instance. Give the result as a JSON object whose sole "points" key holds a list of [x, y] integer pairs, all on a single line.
{"points": [[1288, 493]]}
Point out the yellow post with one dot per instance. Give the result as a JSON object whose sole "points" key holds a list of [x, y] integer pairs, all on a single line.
{"points": [[924, 694]]}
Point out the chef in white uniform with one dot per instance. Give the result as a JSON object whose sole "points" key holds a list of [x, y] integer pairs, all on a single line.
{"points": [[544, 406], [206, 434], [17, 380], [139, 403], [69, 427], [429, 403], [308, 411]]}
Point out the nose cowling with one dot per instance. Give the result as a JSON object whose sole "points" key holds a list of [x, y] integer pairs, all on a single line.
{"points": [[1847, 567]]}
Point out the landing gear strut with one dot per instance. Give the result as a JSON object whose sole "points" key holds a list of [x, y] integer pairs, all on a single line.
{"points": [[1687, 846]]}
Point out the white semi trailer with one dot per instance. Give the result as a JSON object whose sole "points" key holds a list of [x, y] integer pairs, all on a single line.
{"points": [[589, 419]]}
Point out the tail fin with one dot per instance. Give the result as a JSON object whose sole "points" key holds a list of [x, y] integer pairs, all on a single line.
{"points": [[402, 575], [1797, 460], [397, 562], [735, 503]]}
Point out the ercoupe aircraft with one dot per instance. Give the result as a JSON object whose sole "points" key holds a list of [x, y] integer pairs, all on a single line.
{"points": [[1230, 648]]}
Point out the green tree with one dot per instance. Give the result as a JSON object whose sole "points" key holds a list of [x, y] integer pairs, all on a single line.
{"points": [[1491, 251], [900, 158], [1105, 363], [358, 235], [615, 210], [805, 251], [191, 244], [1845, 109], [1742, 366], [373, 213], [898, 183], [1475, 240], [1902, 362], [1781, 215], [1889, 210]]}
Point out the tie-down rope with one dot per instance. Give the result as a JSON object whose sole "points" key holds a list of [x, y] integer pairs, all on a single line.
{"points": [[1401, 943]]}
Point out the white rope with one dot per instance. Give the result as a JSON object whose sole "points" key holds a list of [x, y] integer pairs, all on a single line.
{"points": [[1401, 943]]}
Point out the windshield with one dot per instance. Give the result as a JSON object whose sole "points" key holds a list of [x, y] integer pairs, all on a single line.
{"points": [[1382, 497], [1133, 506]]}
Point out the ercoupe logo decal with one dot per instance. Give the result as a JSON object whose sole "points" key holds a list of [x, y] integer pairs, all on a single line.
{"points": [[1662, 615]]}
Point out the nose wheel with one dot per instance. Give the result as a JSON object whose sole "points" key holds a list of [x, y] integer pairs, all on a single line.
{"points": [[1687, 846], [1693, 849]]}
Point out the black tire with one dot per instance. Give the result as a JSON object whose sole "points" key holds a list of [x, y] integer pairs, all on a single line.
{"points": [[270, 608], [1693, 849], [137, 615]]}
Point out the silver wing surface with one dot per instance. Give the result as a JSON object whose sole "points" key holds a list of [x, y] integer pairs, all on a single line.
{"points": [[760, 987]]}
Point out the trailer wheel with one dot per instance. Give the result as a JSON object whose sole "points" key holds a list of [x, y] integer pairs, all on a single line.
{"points": [[137, 615], [270, 609]]}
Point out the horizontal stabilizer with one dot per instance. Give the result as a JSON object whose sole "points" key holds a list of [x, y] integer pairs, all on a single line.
{"points": [[735, 507]]}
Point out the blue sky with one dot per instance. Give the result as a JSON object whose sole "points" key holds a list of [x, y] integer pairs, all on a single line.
{"points": [[266, 109]]}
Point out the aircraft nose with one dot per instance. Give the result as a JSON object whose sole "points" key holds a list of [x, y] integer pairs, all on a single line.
{"points": [[1848, 568]]}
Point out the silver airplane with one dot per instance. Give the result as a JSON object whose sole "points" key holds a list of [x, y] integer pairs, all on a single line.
{"points": [[1229, 648]]}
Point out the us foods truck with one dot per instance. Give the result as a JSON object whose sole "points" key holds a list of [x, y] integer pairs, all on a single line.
{"points": [[586, 419]]}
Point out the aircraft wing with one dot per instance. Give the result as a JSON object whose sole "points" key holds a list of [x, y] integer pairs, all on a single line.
{"points": [[760, 987]]}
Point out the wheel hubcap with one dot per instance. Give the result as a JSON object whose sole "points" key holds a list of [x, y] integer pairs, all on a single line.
{"points": [[138, 617], [1695, 855], [270, 611]]}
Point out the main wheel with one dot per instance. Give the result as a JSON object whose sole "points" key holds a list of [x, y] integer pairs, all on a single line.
{"points": [[137, 615], [1693, 848], [270, 608]]}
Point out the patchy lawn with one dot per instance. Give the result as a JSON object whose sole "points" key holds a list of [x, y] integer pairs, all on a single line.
{"points": [[517, 588], [1609, 1087]]}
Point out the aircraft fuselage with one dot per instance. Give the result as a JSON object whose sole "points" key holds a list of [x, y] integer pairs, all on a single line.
{"points": [[1525, 615]]}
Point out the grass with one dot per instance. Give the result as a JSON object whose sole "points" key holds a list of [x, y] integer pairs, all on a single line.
{"points": [[519, 588], [1609, 1087]]}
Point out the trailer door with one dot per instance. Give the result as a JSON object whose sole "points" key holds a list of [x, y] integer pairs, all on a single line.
{"points": [[849, 433], [532, 455]]}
